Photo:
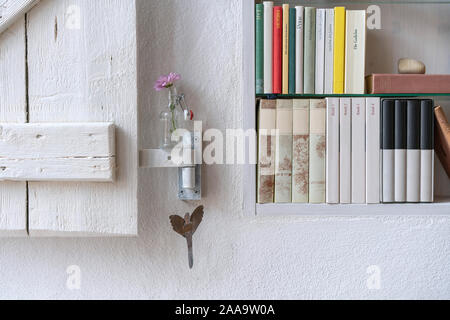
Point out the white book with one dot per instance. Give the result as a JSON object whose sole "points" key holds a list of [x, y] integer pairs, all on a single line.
{"points": [[283, 151], [268, 38], [299, 31], [320, 51], [329, 51], [345, 116], [355, 48], [358, 150], [317, 150], [300, 150], [373, 150], [332, 154]]}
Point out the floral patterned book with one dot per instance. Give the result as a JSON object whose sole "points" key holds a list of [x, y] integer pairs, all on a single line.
{"points": [[317, 148], [300, 151], [266, 151], [283, 154]]}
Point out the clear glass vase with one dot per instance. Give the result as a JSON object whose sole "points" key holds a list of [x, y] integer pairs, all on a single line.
{"points": [[170, 119]]}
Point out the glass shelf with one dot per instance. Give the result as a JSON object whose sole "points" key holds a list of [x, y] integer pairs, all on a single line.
{"points": [[382, 95]]}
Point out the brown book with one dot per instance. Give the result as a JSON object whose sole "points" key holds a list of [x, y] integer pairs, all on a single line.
{"points": [[442, 139], [408, 83]]}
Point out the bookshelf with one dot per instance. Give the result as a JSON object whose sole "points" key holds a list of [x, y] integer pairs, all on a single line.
{"points": [[416, 29]]}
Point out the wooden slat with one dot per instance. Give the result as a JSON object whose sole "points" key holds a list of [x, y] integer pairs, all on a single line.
{"points": [[13, 109], [11, 10], [57, 152], [85, 75]]}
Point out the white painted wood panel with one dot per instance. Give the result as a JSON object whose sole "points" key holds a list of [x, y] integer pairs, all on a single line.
{"points": [[57, 152], [82, 67], [13, 216], [11, 10]]}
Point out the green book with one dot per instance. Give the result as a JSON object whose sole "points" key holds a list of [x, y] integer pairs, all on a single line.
{"points": [[292, 28], [259, 48], [309, 64]]}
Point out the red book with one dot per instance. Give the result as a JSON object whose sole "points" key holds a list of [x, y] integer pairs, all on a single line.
{"points": [[277, 48], [408, 83]]}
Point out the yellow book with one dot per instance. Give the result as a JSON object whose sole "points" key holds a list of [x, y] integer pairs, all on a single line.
{"points": [[285, 55], [339, 50]]}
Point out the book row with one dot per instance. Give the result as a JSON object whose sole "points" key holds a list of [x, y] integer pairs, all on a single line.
{"points": [[342, 150], [307, 50], [407, 150]]}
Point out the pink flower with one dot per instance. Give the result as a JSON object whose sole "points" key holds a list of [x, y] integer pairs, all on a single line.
{"points": [[166, 81]]}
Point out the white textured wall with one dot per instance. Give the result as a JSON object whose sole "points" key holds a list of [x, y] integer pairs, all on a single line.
{"points": [[235, 256]]}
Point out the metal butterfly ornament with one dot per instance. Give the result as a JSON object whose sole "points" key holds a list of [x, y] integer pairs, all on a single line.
{"points": [[187, 227]]}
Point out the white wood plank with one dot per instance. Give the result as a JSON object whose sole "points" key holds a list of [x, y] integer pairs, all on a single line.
{"points": [[85, 74], [13, 219], [11, 10], [57, 152], [249, 91]]}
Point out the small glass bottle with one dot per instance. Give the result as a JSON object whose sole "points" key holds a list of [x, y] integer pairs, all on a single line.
{"points": [[170, 119]]}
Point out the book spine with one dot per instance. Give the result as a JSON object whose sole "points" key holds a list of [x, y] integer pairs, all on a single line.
{"points": [[268, 45], [413, 151], [283, 155], [358, 150], [442, 136], [320, 51], [339, 50], [259, 48], [355, 51], [300, 151], [309, 51], [277, 48], [317, 149], [426, 151], [332, 154], [292, 32], [387, 146], [299, 49], [345, 150], [329, 51], [373, 150], [285, 53], [266, 151], [400, 151]]}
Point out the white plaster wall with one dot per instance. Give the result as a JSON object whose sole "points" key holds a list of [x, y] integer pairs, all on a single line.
{"points": [[235, 256]]}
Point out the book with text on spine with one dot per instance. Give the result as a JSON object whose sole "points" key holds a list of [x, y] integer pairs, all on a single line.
{"points": [[309, 51], [373, 150], [358, 150], [317, 150], [299, 49], [345, 147], [320, 51], [332, 154], [355, 51], [329, 51]]}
